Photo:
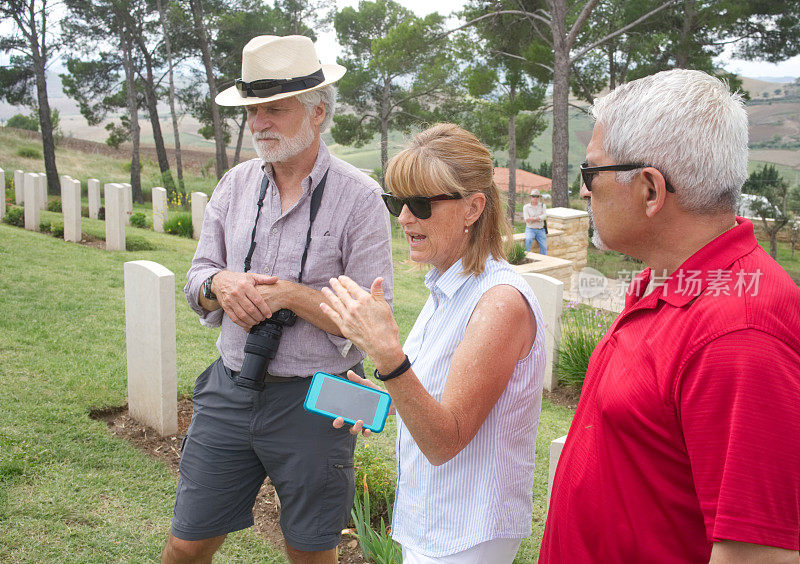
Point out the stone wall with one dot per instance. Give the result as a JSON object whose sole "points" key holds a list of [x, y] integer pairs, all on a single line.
{"points": [[761, 233], [567, 237]]}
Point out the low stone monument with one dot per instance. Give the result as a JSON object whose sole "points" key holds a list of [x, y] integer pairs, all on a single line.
{"points": [[159, 208], [19, 187], [3, 198], [93, 188], [151, 346], [550, 294], [199, 201], [41, 180], [115, 217], [71, 208], [555, 453], [128, 201], [32, 208]]}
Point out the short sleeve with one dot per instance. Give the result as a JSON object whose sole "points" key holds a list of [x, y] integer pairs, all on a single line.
{"points": [[738, 399]]}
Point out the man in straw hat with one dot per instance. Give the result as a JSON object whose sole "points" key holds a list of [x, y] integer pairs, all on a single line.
{"points": [[276, 230]]}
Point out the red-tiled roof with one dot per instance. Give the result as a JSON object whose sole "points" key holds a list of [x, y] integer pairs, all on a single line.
{"points": [[526, 181]]}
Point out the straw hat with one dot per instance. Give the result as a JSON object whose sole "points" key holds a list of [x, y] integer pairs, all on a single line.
{"points": [[535, 192], [276, 67]]}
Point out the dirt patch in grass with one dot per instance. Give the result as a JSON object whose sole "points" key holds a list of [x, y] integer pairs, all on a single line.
{"points": [[266, 511], [563, 396]]}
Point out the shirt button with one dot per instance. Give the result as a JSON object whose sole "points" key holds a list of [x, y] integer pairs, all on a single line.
{"points": [[274, 229], [266, 269]]}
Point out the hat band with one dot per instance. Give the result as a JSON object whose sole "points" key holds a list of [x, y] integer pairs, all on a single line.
{"points": [[266, 87]]}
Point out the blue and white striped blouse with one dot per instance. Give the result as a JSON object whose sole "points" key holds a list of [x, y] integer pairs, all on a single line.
{"points": [[485, 491]]}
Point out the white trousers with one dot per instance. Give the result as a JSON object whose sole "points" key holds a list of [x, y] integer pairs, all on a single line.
{"points": [[495, 551]]}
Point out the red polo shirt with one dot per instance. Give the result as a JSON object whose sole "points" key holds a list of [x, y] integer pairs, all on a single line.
{"points": [[688, 427]]}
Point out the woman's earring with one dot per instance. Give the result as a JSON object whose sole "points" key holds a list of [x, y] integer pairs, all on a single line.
{"points": [[466, 230]]}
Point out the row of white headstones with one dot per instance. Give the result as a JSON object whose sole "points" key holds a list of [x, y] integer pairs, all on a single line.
{"points": [[31, 188]]}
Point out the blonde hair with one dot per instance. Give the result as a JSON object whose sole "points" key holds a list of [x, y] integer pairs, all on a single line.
{"points": [[446, 159]]}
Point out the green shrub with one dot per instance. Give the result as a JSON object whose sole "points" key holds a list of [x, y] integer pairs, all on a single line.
{"points": [[179, 224], [138, 219], [15, 216], [516, 254], [29, 153], [57, 229], [376, 545], [376, 474], [54, 204], [138, 243], [582, 328], [45, 226], [84, 211], [101, 213], [31, 123]]}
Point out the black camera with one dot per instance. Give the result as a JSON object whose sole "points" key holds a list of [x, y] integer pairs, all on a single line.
{"points": [[261, 347]]}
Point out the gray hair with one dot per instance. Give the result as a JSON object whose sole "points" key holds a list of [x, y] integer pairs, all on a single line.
{"points": [[312, 99], [689, 126]]}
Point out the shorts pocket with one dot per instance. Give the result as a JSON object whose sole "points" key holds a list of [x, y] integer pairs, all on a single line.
{"points": [[337, 496]]}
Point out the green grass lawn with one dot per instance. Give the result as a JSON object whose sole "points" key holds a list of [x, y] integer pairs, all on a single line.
{"points": [[69, 489]]}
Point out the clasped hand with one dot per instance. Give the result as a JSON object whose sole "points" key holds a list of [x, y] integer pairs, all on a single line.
{"points": [[246, 297]]}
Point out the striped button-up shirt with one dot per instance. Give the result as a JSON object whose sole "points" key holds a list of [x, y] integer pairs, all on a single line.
{"points": [[350, 236], [485, 491]]}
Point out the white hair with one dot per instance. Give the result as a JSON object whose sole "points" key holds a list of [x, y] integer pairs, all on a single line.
{"points": [[689, 126], [312, 99]]}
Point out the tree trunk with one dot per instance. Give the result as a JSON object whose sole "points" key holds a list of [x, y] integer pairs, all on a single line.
{"points": [[560, 189], [238, 152], [39, 56], [175, 130], [205, 49], [384, 130], [682, 54], [773, 244], [136, 181], [152, 109], [512, 157]]}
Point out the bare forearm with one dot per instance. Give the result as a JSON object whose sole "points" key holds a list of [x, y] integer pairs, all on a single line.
{"points": [[730, 552], [208, 305]]}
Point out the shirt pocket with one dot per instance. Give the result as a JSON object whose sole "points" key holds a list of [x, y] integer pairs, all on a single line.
{"points": [[324, 261]]}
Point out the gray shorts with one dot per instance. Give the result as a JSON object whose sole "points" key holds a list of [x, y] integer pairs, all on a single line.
{"points": [[238, 437]]}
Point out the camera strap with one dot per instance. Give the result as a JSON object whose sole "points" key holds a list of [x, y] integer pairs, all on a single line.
{"points": [[316, 199]]}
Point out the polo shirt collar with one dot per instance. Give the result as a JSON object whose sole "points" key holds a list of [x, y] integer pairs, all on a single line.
{"points": [[321, 165], [716, 256], [447, 282]]}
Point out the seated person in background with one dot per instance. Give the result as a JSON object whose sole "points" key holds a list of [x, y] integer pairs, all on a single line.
{"points": [[467, 385], [535, 214]]}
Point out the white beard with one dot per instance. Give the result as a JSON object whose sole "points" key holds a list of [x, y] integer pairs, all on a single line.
{"points": [[286, 147], [597, 241]]}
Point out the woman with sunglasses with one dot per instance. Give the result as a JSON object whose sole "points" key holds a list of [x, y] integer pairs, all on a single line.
{"points": [[467, 384]]}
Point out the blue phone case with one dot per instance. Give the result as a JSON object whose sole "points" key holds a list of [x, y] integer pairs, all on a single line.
{"points": [[312, 400]]}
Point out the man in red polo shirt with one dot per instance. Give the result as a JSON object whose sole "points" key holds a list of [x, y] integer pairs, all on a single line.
{"points": [[685, 446]]}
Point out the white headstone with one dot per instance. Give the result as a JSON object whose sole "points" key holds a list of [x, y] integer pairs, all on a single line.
{"points": [[93, 188], [555, 453], [71, 208], [19, 187], [42, 186], [199, 201], [151, 347], [2, 194], [159, 209], [128, 202], [115, 217], [32, 208], [550, 293]]}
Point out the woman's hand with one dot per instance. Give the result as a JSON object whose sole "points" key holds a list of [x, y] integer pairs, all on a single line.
{"points": [[366, 319], [338, 423]]}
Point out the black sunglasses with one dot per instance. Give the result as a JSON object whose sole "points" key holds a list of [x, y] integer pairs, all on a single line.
{"points": [[420, 206], [588, 173]]}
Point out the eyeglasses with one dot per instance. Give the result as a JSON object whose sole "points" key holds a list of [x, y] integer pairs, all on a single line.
{"points": [[420, 206], [588, 173]]}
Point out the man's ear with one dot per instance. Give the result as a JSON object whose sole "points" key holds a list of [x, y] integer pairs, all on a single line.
{"points": [[475, 205], [654, 190], [318, 115]]}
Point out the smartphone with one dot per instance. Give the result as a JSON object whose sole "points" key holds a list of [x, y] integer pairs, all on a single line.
{"points": [[331, 396]]}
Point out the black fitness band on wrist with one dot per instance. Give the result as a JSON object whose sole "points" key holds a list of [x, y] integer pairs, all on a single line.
{"points": [[404, 367]]}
